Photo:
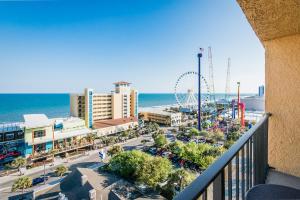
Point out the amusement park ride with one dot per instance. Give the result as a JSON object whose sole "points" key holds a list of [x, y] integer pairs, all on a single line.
{"points": [[204, 102]]}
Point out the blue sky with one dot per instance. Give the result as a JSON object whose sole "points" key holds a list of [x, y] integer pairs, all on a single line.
{"points": [[65, 46]]}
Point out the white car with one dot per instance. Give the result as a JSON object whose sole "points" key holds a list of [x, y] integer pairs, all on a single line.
{"points": [[166, 154]]}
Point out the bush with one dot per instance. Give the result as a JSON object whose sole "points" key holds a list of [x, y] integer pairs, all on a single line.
{"points": [[22, 184], [61, 170]]}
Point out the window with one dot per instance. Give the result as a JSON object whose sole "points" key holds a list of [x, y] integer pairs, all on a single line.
{"points": [[9, 136], [39, 147], [40, 133]]}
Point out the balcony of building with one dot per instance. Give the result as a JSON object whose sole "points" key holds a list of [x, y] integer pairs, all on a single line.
{"points": [[265, 162]]}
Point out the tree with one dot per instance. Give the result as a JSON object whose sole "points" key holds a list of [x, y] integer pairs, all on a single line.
{"points": [[206, 124], [218, 135], [155, 126], [154, 171], [115, 150], [181, 128], [160, 141], [127, 162], [125, 134], [22, 183], [91, 137], [157, 133], [180, 178], [19, 163], [194, 132], [204, 133], [139, 166], [61, 170], [177, 147], [52, 152], [233, 135], [228, 144]]}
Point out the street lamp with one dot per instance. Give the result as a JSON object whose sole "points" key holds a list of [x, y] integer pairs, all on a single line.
{"points": [[199, 88]]}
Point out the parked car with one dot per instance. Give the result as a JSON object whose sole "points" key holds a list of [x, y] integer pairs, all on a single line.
{"points": [[39, 180], [153, 150], [2, 156], [166, 154], [14, 153], [202, 141]]}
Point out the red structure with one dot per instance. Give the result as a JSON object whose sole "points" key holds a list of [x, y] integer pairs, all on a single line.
{"points": [[238, 100], [241, 107]]}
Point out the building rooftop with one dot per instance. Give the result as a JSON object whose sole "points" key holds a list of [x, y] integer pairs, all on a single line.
{"points": [[36, 120], [73, 133], [122, 83], [9, 127], [113, 122], [160, 111]]}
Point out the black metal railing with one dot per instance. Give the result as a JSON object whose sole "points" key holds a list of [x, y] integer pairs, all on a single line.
{"points": [[244, 165]]}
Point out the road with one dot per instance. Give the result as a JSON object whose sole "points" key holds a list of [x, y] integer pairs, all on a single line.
{"points": [[91, 160]]}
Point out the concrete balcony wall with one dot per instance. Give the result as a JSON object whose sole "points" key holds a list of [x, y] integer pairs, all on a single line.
{"points": [[277, 25], [282, 100]]}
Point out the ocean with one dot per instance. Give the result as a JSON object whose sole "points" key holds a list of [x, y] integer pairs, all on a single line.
{"points": [[14, 106]]}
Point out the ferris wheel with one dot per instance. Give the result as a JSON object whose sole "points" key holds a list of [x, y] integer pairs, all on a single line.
{"points": [[185, 88]]}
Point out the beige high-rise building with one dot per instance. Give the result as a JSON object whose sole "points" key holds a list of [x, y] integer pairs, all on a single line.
{"points": [[92, 107]]}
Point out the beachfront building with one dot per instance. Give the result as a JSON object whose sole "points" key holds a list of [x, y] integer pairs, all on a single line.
{"points": [[69, 134], [160, 116], [11, 141], [113, 126], [94, 107], [39, 135], [42, 135]]}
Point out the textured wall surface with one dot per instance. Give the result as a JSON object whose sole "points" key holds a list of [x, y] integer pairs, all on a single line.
{"points": [[282, 100], [272, 19]]}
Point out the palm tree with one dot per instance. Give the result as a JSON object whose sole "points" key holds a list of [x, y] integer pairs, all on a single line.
{"points": [[52, 153], [61, 170], [115, 150], [19, 163], [91, 137], [22, 183]]}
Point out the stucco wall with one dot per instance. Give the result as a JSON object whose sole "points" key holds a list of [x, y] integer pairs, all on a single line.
{"points": [[283, 101]]}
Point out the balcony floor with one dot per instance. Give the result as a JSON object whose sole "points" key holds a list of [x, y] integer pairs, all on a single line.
{"points": [[279, 178]]}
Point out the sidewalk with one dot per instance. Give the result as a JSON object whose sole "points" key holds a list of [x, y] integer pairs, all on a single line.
{"points": [[57, 162]]}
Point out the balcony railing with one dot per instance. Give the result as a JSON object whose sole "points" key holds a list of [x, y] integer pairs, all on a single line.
{"points": [[244, 165]]}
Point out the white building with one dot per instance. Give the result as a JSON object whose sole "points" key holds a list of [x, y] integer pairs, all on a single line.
{"points": [[160, 116], [254, 103], [93, 107]]}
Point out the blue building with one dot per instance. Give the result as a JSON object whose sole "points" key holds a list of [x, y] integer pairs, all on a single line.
{"points": [[261, 91], [12, 142]]}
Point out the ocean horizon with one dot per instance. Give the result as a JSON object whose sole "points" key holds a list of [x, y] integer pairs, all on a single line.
{"points": [[14, 106]]}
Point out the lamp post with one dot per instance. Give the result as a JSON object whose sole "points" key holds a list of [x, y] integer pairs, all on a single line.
{"points": [[199, 89]]}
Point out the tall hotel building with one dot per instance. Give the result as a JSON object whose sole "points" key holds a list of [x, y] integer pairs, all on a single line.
{"points": [[93, 107]]}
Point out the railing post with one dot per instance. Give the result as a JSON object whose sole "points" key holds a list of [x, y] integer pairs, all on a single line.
{"points": [[219, 187], [243, 172], [237, 176], [248, 165], [229, 181], [255, 159]]}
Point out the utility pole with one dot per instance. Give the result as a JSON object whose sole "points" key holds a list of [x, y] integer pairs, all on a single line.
{"points": [[238, 103], [211, 76], [44, 172], [199, 89]]}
